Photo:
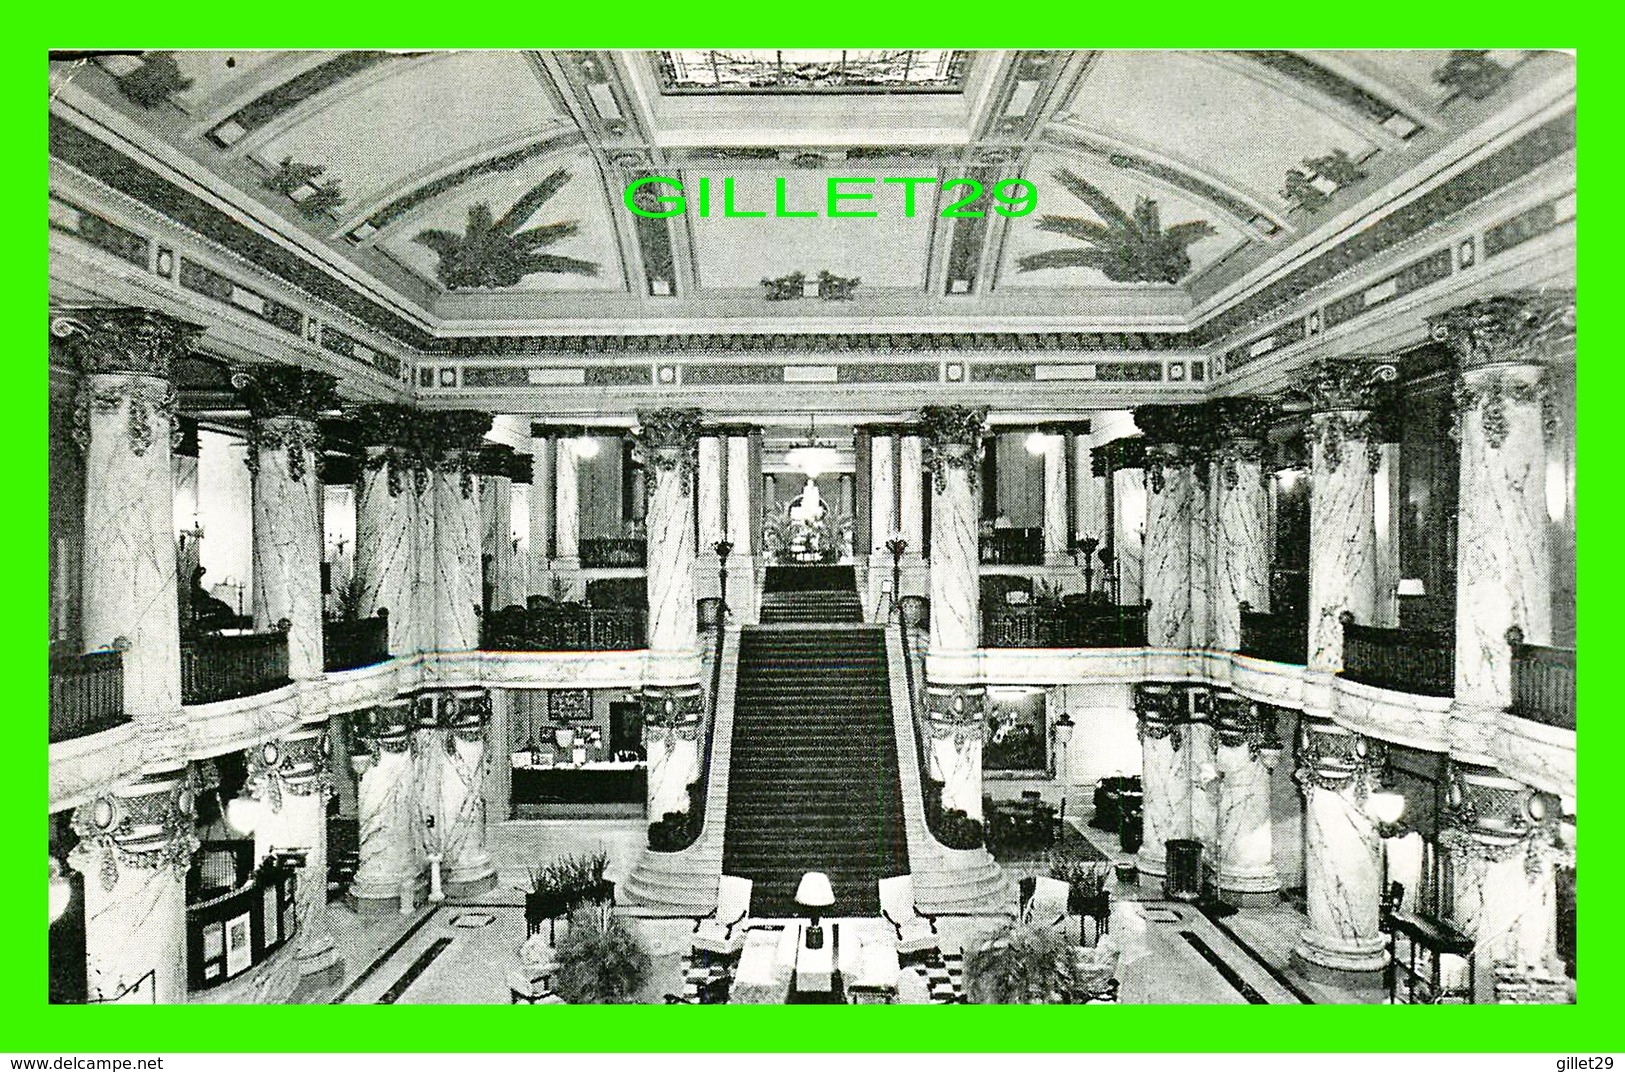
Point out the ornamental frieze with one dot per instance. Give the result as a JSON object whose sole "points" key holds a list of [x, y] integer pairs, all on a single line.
{"points": [[1523, 327], [1490, 394], [149, 830], [951, 438], [125, 339]]}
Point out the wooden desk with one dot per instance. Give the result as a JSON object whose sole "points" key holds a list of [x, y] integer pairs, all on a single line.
{"points": [[1434, 939]]}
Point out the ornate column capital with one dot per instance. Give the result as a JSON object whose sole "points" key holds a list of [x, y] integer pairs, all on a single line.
{"points": [[124, 339], [670, 714], [1176, 437], [1240, 426], [1496, 818], [1125, 453], [1337, 759], [955, 711], [1161, 709], [951, 438], [1342, 385], [1523, 327], [409, 440], [146, 825], [466, 713], [286, 403], [1239, 721], [385, 728], [668, 441], [298, 763]]}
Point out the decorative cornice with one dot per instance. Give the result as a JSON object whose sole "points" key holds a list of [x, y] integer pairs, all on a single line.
{"points": [[1524, 327], [124, 339], [951, 438]]}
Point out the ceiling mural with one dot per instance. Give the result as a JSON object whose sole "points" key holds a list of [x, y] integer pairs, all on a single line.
{"points": [[490, 184]]}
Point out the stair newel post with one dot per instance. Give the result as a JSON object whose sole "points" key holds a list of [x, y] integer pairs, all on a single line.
{"points": [[667, 445], [951, 446]]}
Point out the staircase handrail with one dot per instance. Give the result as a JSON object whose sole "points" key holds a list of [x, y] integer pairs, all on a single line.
{"points": [[916, 702]]}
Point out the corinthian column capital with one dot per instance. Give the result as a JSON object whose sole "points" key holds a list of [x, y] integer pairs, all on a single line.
{"points": [[951, 438], [1523, 327], [668, 441], [124, 339]]}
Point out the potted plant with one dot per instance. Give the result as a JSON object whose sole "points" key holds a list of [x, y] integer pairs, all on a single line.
{"points": [[600, 961], [563, 885], [957, 830], [1021, 965], [1086, 882]]}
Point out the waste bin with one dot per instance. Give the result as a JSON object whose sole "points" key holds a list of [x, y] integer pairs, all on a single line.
{"points": [[1183, 881]]}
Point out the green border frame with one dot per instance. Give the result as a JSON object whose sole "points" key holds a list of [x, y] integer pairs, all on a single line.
{"points": [[34, 1026]]}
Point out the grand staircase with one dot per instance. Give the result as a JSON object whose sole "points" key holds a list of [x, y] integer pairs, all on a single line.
{"points": [[814, 782], [810, 594]]}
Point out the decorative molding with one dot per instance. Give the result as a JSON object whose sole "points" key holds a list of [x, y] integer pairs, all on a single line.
{"points": [[1239, 721], [147, 830], [409, 440], [384, 728], [124, 339], [144, 399], [1491, 817], [955, 712], [298, 764], [1336, 759], [283, 98], [670, 714]]}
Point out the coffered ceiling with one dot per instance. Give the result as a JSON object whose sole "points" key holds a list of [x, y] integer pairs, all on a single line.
{"points": [[1266, 149]]}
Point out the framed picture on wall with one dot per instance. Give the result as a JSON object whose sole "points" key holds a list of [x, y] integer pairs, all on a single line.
{"points": [[569, 705], [214, 950], [239, 944]]}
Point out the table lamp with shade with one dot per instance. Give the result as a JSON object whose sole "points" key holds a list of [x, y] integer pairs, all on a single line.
{"points": [[815, 894]]}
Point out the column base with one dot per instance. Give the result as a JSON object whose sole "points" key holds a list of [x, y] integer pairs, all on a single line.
{"points": [[320, 954], [1340, 954], [470, 881], [1151, 865], [374, 900], [1257, 882]]}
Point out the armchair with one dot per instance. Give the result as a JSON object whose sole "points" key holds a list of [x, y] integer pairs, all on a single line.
{"points": [[720, 931], [916, 931], [1045, 903]]}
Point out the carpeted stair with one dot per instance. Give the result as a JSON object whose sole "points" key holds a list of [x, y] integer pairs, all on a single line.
{"points": [[810, 594], [813, 782]]}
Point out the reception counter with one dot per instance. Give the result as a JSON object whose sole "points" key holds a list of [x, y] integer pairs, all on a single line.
{"points": [[594, 790]]}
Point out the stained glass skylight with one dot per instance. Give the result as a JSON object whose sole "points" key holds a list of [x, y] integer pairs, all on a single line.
{"points": [[811, 70]]}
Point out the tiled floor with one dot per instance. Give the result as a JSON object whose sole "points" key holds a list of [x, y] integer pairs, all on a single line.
{"points": [[458, 953]]}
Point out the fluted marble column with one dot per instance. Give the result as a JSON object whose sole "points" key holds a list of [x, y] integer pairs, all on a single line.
{"points": [[290, 778], [1164, 729], [284, 447], [671, 743], [1240, 567], [1503, 840], [882, 498], [1503, 573], [466, 866], [1171, 492], [1246, 751], [386, 546], [666, 444], [124, 417], [1342, 501], [135, 847], [954, 721], [386, 802], [1342, 852]]}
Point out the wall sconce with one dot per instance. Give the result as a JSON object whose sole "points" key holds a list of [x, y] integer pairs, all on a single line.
{"points": [[1387, 808], [243, 814], [585, 445]]}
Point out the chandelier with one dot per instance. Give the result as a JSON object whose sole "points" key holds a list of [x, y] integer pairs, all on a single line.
{"points": [[812, 456]]}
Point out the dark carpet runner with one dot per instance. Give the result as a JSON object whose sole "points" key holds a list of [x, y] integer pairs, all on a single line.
{"points": [[813, 783]]}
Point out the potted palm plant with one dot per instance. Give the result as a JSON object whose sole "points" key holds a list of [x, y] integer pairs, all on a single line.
{"points": [[1021, 965], [600, 961]]}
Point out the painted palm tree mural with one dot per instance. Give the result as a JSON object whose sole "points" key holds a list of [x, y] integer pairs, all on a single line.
{"points": [[494, 252], [1125, 247]]}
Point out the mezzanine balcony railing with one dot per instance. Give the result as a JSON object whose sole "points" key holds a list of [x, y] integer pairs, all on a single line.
{"points": [[1064, 626], [1404, 660], [563, 627], [87, 694], [228, 666], [1542, 682]]}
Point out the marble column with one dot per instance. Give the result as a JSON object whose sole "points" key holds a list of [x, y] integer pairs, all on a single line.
{"points": [[1128, 534], [284, 448], [1504, 848], [386, 547], [1342, 501], [1240, 566], [709, 492], [135, 847], [1503, 417], [123, 421], [666, 445], [742, 563], [882, 498], [466, 866], [290, 778], [954, 723], [1172, 489], [1057, 523], [1246, 752], [541, 515], [671, 742], [955, 556], [496, 539], [1342, 851], [386, 802], [566, 508], [1090, 507], [1164, 729], [457, 570], [910, 495]]}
